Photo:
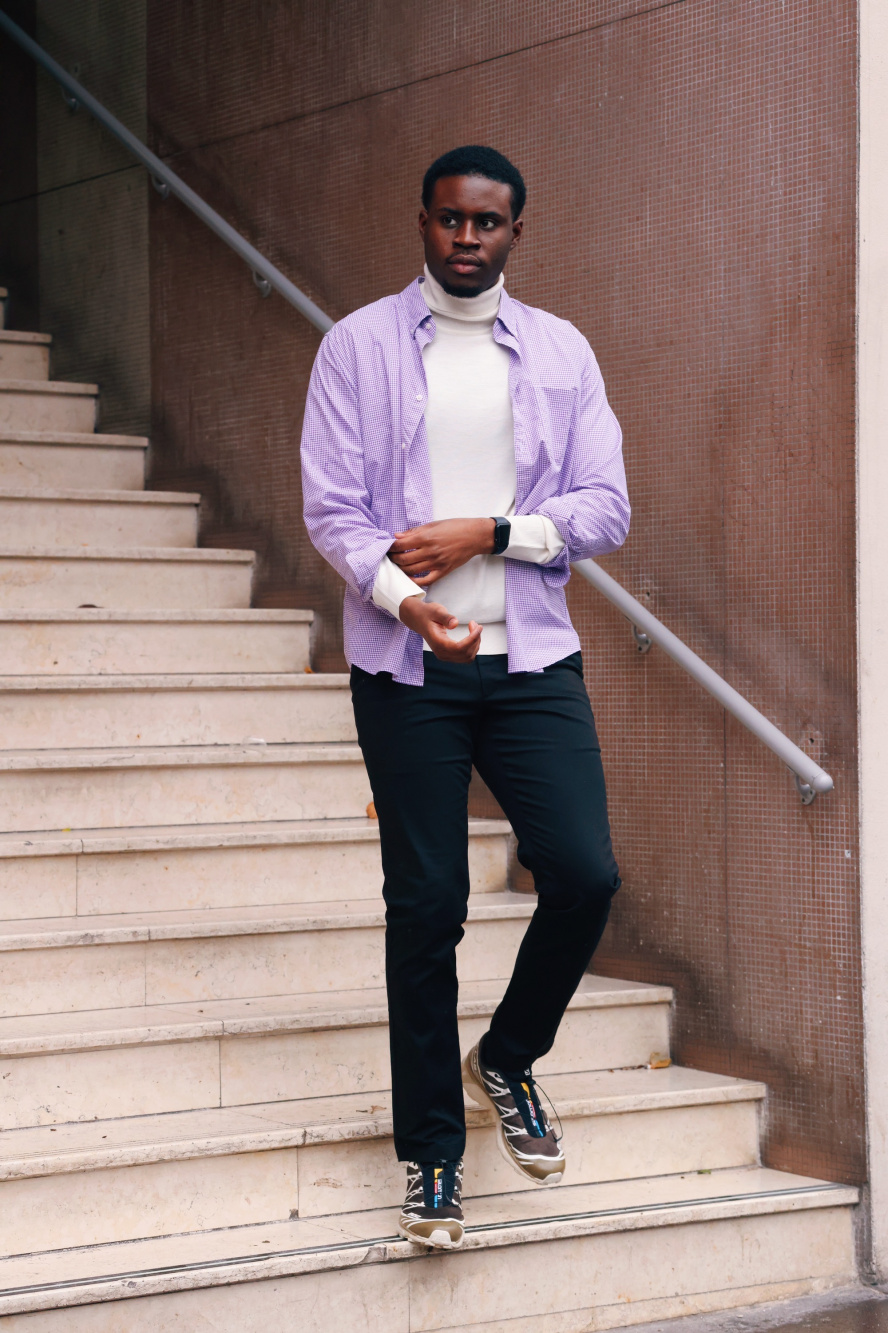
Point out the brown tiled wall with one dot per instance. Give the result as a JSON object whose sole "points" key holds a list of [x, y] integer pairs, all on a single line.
{"points": [[691, 172]]}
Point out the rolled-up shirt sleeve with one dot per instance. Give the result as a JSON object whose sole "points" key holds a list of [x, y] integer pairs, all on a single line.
{"points": [[392, 586], [534, 538], [336, 501]]}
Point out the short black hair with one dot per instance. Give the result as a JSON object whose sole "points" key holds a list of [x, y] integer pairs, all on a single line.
{"points": [[476, 160]]}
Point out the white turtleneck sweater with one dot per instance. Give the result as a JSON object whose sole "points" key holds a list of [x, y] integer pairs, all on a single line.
{"points": [[471, 443]]}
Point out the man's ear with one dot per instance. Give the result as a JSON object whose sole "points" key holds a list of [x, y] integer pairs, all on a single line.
{"points": [[517, 229], [423, 219]]}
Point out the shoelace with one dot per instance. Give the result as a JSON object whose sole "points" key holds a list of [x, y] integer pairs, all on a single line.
{"points": [[533, 1088], [560, 1135], [446, 1179]]}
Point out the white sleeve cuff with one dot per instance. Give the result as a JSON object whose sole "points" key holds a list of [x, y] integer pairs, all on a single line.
{"points": [[534, 538], [392, 586]]}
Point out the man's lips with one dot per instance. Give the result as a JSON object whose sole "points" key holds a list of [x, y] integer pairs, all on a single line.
{"points": [[464, 263]]}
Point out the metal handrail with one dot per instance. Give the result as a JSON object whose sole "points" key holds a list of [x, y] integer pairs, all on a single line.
{"points": [[810, 777], [265, 275]]}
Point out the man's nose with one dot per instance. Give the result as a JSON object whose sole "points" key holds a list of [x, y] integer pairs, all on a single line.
{"points": [[466, 236]]}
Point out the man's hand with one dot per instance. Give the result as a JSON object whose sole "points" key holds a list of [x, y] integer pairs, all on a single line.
{"points": [[429, 552], [432, 621]]}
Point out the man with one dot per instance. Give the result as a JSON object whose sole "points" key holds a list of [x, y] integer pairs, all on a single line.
{"points": [[458, 453]]}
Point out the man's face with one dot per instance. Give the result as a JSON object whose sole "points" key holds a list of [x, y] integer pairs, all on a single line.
{"points": [[468, 233]]}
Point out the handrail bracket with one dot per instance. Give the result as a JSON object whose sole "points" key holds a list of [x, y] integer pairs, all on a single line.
{"points": [[643, 642], [262, 285]]}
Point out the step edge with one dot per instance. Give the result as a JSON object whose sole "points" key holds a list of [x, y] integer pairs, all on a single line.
{"points": [[160, 1031], [150, 499], [86, 842], [123, 682], [193, 928], [63, 388], [132, 554], [117, 758], [389, 1249], [74, 438], [270, 1135], [92, 615], [24, 338]]}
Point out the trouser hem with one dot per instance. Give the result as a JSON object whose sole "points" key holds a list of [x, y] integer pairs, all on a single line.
{"points": [[449, 1151]]}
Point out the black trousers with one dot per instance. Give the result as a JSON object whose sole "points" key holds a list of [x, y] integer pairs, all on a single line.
{"points": [[532, 737]]}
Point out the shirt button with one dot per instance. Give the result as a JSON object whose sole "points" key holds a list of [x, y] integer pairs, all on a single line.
{"points": [[419, 397]]}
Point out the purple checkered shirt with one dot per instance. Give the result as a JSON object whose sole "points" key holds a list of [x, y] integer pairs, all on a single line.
{"points": [[366, 475]]}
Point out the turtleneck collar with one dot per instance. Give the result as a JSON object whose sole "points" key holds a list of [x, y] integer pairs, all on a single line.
{"points": [[481, 309]]}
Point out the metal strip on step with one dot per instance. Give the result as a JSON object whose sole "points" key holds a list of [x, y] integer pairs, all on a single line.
{"points": [[209, 1265]]}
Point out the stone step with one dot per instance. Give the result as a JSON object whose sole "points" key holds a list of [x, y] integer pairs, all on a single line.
{"points": [[200, 784], [552, 1261], [92, 873], [58, 644], [65, 578], [27, 404], [24, 356], [75, 460], [59, 964], [152, 1060], [97, 518], [151, 1176], [68, 712]]}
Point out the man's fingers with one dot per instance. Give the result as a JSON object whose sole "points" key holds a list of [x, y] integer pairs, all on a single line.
{"points": [[441, 616], [416, 556], [405, 540], [413, 560], [422, 555], [458, 650]]}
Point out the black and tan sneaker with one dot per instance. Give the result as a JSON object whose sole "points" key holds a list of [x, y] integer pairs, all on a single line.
{"points": [[432, 1214], [525, 1137]]}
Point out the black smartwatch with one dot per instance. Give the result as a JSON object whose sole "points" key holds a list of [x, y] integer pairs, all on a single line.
{"points": [[501, 534]]}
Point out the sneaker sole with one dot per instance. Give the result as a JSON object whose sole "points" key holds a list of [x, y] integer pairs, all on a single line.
{"points": [[440, 1239], [481, 1097]]}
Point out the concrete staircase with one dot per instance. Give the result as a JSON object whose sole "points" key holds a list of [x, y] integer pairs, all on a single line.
{"points": [[196, 1130]]}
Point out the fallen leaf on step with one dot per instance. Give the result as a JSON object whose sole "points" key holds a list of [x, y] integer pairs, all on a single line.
{"points": [[659, 1061], [371, 811], [308, 671]]}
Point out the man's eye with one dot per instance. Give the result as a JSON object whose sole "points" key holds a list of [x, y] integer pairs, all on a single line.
{"points": [[488, 224]]}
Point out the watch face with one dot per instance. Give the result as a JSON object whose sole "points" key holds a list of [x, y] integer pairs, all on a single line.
{"points": [[501, 535]]}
